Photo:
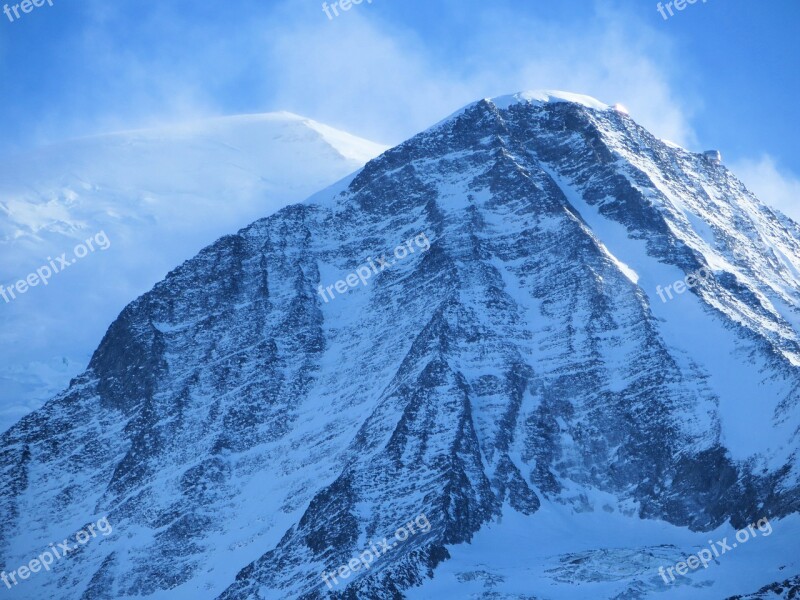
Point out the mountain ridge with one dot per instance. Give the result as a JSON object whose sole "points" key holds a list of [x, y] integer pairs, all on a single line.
{"points": [[160, 195], [521, 370]]}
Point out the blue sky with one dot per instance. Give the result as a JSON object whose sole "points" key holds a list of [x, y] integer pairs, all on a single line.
{"points": [[720, 74]]}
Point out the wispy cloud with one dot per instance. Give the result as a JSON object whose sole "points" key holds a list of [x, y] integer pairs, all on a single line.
{"points": [[383, 81], [374, 71], [131, 65], [772, 184]]}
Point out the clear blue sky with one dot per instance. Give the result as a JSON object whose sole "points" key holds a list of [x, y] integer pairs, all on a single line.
{"points": [[721, 74]]}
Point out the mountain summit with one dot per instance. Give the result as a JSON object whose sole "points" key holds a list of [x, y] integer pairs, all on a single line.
{"points": [[581, 367]]}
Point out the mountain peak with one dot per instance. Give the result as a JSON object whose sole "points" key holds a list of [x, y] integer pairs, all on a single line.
{"points": [[245, 132], [536, 98], [591, 359], [547, 96]]}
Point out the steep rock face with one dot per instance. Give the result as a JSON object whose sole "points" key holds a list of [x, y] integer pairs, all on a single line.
{"points": [[245, 434]]}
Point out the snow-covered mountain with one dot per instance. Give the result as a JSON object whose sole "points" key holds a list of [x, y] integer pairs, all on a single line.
{"points": [[159, 196], [501, 406]]}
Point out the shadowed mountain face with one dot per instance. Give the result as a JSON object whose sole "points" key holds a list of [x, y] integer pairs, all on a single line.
{"points": [[245, 430]]}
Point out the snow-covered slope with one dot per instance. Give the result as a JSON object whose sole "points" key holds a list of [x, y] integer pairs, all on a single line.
{"points": [[516, 382], [159, 196]]}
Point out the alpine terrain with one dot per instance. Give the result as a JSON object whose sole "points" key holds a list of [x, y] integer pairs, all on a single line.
{"points": [[465, 371], [159, 196]]}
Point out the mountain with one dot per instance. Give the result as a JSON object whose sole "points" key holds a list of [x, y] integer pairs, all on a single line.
{"points": [[472, 369], [158, 196]]}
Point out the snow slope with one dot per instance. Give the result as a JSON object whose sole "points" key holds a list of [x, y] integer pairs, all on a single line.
{"points": [[160, 196]]}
